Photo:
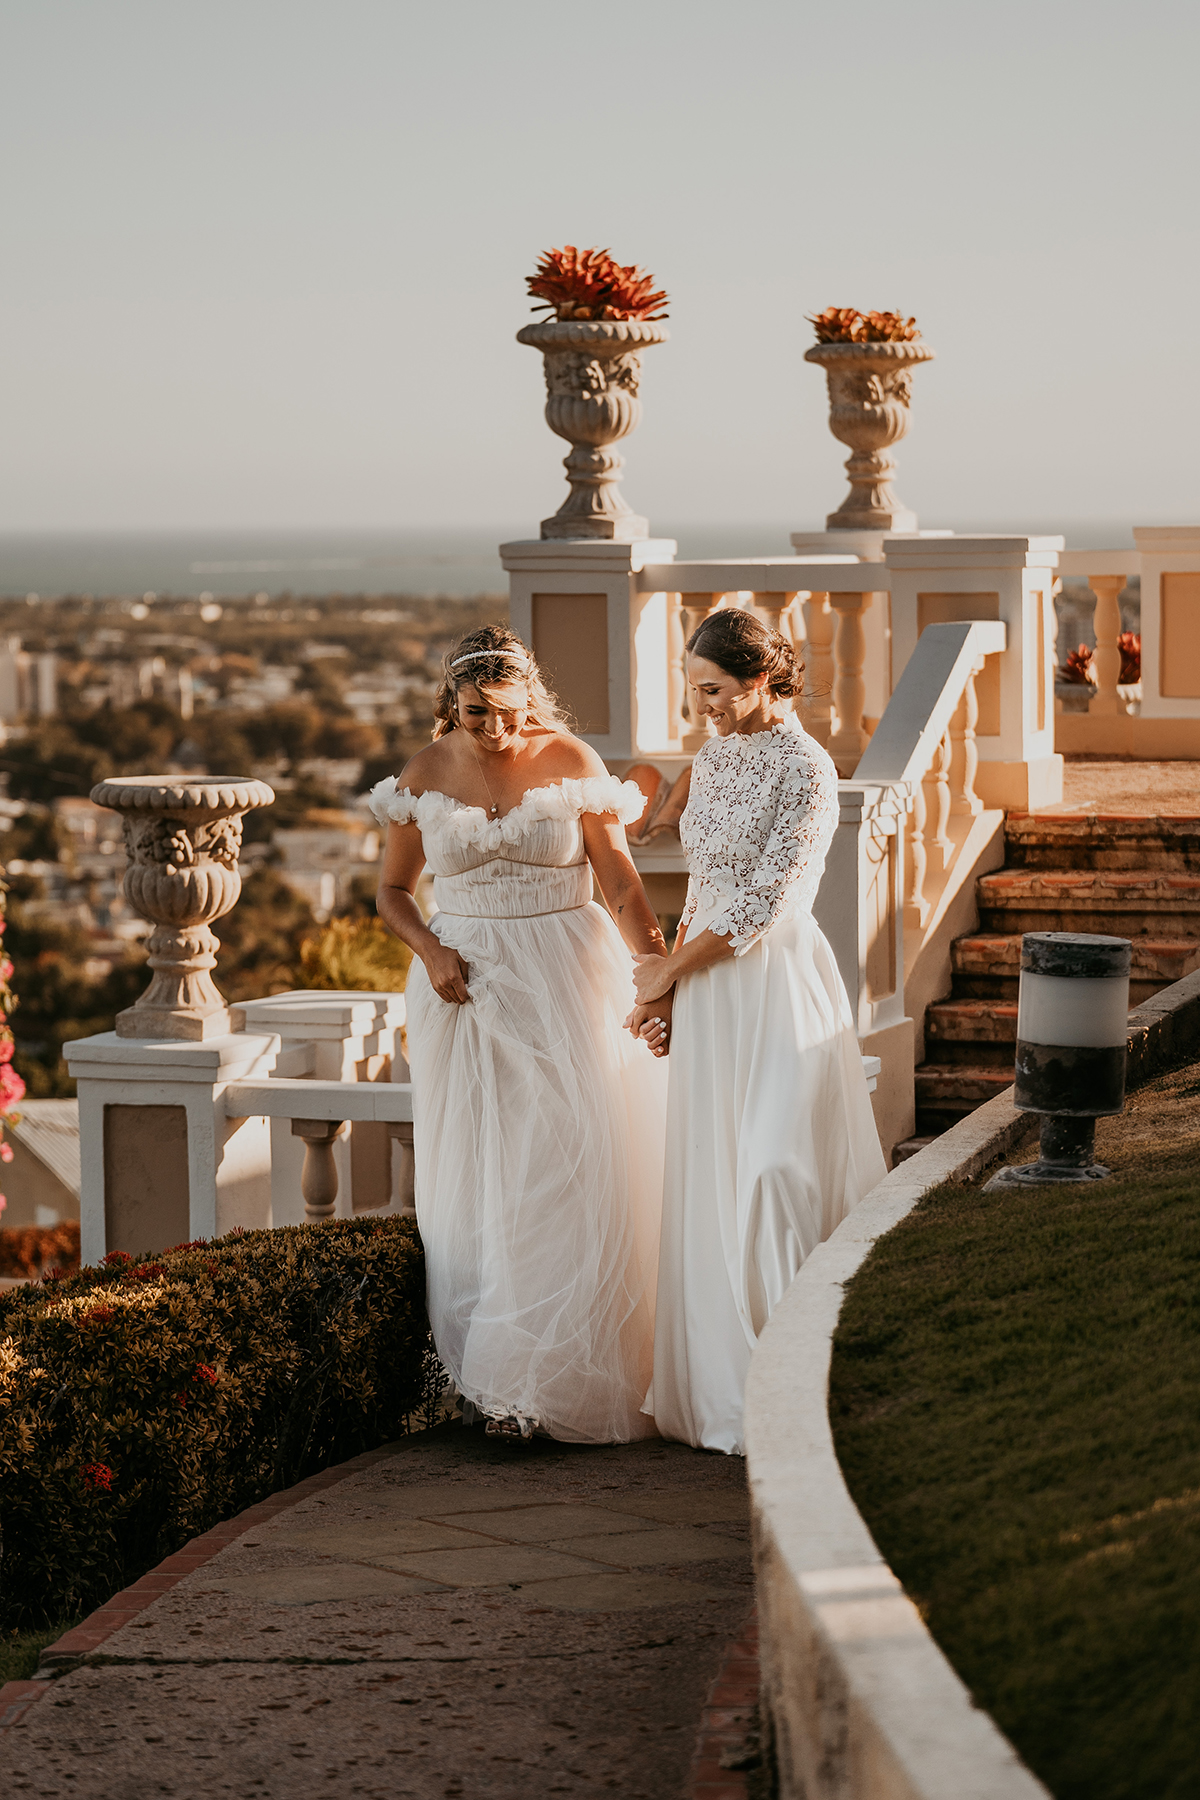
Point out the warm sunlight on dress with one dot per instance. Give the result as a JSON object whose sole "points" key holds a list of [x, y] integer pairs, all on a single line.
{"points": [[538, 1119], [770, 1134]]}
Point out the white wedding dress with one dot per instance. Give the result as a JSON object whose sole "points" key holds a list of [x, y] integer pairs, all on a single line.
{"points": [[538, 1120], [770, 1134]]}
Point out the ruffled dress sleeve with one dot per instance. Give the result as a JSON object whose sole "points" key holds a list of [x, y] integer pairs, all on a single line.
{"points": [[742, 901], [391, 804], [607, 794]]}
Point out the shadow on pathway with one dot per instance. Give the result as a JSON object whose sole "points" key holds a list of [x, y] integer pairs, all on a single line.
{"points": [[455, 1618]]}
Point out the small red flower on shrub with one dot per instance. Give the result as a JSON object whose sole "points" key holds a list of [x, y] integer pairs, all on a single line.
{"points": [[97, 1478], [100, 1315], [205, 1373], [146, 1272], [1130, 645], [116, 1259]]}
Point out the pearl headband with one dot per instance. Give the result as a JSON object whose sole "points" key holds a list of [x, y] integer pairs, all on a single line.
{"points": [[512, 656]]}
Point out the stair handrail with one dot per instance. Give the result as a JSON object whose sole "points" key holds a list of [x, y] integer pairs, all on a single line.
{"points": [[925, 698], [927, 737]]}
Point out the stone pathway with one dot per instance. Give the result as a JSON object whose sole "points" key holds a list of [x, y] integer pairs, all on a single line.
{"points": [[452, 1617]]}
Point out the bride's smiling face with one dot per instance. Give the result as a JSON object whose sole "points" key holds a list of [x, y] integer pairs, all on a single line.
{"points": [[495, 720], [721, 697]]}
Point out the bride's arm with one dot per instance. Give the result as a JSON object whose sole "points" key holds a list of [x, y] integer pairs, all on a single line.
{"points": [[621, 885], [395, 902]]}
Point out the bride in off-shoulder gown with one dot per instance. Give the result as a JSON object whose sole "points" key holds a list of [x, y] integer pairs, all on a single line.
{"points": [[538, 1121]]}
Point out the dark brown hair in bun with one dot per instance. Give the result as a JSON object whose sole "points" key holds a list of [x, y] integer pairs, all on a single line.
{"points": [[745, 648]]}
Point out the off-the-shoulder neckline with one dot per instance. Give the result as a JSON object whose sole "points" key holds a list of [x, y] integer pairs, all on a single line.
{"points": [[548, 787]]}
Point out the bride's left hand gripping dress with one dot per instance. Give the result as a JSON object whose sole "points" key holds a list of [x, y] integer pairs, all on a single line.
{"points": [[538, 1121]]}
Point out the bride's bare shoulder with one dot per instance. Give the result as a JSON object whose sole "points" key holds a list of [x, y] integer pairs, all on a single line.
{"points": [[428, 768], [568, 757]]}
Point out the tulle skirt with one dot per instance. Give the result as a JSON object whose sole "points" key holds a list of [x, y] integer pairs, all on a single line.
{"points": [[770, 1142], [539, 1128]]}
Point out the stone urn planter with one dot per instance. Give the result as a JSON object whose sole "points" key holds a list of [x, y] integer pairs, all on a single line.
{"points": [[592, 372], [182, 839], [870, 387]]}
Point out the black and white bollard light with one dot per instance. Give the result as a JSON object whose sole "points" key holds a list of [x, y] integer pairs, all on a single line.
{"points": [[1072, 1035]]}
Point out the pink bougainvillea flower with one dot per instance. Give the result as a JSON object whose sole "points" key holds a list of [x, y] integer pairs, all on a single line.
{"points": [[6, 1152], [6, 1050], [12, 1088]]}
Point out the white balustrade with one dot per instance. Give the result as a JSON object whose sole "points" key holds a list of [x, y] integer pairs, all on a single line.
{"points": [[1106, 658], [926, 741]]}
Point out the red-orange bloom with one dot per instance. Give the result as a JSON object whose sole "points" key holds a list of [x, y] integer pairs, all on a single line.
{"points": [[590, 284], [97, 1478]]}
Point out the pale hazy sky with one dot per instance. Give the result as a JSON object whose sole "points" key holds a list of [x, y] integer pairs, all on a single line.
{"points": [[264, 259]]}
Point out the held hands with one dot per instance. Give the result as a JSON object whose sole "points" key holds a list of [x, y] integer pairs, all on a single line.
{"points": [[652, 1023], [651, 979], [448, 974]]}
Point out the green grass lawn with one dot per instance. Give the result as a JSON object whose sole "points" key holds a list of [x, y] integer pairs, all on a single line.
{"points": [[20, 1651], [1015, 1397]]}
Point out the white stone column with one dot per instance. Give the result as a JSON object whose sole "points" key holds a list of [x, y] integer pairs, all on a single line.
{"points": [[160, 1162], [604, 643], [941, 580]]}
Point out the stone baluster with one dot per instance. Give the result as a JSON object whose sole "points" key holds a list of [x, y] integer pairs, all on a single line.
{"points": [[696, 608], [677, 716], [1107, 654], [773, 609], [940, 845], [319, 1180], [402, 1132], [916, 907], [964, 757], [819, 625], [850, 739]]}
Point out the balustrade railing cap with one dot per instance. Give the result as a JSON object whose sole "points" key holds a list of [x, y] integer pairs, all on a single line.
{"points": [[766, 575], [962, 551], [1075, 954]]}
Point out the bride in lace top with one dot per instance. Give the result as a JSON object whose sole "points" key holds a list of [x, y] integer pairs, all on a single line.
{"points": [[538, 1122], [770, 1134]]}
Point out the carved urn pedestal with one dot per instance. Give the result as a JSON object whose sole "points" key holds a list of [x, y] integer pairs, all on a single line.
{"points": [[592, 372], [182, 839], [870, 388]]}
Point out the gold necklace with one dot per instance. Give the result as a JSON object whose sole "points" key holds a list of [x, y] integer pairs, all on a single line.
{"points": [[494, 808]]}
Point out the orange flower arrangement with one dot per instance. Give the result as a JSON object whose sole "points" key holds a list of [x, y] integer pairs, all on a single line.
{"points": [[589, 284], [844, 325]]}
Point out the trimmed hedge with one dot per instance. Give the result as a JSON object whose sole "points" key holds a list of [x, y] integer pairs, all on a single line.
{"points": [[147, 1399]]}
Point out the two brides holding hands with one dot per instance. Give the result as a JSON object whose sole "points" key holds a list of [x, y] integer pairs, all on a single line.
{"points": [[607, 1229]]}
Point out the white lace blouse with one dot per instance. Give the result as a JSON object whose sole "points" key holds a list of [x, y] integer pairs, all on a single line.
{"points": [[760, 817]]}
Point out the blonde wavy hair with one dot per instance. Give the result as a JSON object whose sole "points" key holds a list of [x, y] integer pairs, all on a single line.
{"points": [[498, 658]]}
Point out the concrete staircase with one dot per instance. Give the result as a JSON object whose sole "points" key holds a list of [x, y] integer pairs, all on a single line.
{"points": [[1125, 876]]}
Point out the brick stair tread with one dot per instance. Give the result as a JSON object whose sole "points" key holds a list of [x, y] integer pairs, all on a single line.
{"points": [[1097, 884], [994, 947], [1071, 828], [947, 1016], [973, 1082]]}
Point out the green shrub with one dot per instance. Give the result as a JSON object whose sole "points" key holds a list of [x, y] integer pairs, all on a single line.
{"points": [[145, 1400]]}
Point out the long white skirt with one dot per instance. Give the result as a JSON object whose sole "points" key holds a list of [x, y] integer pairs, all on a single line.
{"points": [[770, 1142], [538, 1135]]}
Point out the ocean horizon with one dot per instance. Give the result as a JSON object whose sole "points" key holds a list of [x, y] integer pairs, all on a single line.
{"points": [[449, 562]]}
